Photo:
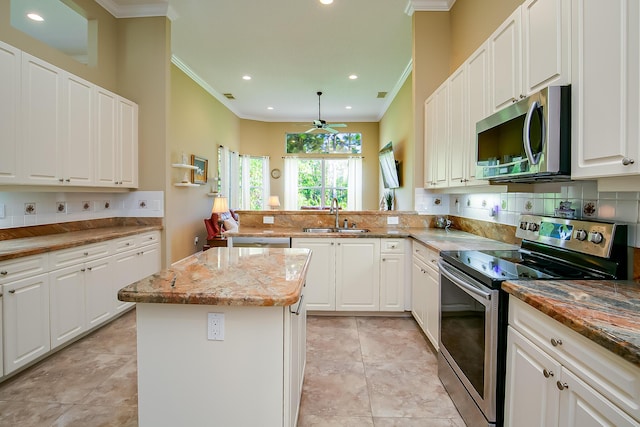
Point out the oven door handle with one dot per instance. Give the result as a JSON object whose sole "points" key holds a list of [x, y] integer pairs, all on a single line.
{"points": [[447, 271]]}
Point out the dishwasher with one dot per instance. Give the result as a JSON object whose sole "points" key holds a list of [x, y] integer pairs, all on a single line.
{"points": [[259, 242]]}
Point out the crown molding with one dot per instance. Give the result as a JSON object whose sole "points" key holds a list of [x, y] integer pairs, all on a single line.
{"points": [[392, 95], [428, 6], [159, 8]]}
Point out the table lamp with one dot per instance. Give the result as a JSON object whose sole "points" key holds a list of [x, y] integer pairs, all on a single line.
{"points": [[274, 202], [220, 206]]}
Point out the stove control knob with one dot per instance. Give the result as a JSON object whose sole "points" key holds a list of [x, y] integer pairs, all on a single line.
{"points": [[533, 226], [581, 235], [523, 225], [596, 237]]}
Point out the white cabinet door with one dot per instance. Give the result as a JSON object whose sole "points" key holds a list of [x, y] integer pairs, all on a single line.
{"points": [[127, 143], [106, 137], [432, 307], [125, 272], [531, 396], [358, 274], [458, 138], [505, 48], [479, 100], [42, 126], [149, 262], [392, 278], [98, 291], [320, 291], [294, 359], [1, 334], [430, 142], [605, 94], [437, 138], [418, 291], [582, 406], [78, 147], [67, 306], [9, 113], [26, 321], [546, 29]]}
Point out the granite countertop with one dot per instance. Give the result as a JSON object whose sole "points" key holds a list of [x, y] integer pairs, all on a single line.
{"points": [[436, 238], [16, 248], [227, 276], [605, 311]]}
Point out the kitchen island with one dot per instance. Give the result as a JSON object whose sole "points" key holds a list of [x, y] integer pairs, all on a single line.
{"points": [[221, 338]]}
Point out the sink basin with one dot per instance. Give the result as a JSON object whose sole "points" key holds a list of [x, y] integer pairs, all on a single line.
{"points": [[335, 230], [319, 230]]}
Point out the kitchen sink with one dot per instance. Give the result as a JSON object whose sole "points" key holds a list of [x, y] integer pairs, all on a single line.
{"points": [[335, 230]]}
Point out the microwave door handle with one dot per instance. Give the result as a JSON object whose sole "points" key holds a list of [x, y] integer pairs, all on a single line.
{"points": [[445, 271], [526, 132]]}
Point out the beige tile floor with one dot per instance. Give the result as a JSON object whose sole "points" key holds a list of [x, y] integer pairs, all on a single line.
{"points": [[361, 371]]}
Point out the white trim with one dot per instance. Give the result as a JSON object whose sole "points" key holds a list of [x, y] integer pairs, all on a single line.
{"points": [[160, 8], [428, 6]]}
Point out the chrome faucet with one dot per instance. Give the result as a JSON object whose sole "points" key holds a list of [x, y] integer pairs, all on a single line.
{"points": [[334, 205]]}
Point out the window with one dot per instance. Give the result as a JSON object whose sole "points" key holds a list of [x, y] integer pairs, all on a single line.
{"points": [[254, 185], [324, 143]]}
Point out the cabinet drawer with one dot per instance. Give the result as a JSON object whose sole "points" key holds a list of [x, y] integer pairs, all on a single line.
{"points": [[392, 246], [124, 243], [67, 257], [19, 268], [426, 255], [148, 238], [608, 373]]}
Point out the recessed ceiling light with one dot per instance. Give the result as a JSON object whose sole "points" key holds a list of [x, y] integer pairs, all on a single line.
{"points": [[35, 17], [326, 1], [246, 77], [348, 107], [269, 108], [353, 77]]}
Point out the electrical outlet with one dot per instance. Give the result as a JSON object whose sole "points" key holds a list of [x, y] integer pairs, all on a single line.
{"points": [[392, 220], [195, 241], [215, 326], [267, 220]]}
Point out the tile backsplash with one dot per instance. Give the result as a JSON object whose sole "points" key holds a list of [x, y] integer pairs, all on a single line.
{"points": [[580, 198], [19, 209]]}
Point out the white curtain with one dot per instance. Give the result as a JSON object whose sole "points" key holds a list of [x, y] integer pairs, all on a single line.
{"points": [[291, 183], [234, 179], [266, 182], [224, 176], [354, 191], [246, 193]]}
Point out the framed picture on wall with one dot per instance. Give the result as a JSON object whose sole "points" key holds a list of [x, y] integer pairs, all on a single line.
{"points": [[199, 174]]}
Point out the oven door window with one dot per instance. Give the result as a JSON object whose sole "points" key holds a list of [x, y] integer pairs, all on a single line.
{"points": [[463, 324]]}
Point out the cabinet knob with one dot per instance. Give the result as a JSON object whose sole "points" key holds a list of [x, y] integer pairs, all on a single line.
{"points": [[82, 269], [383, 259], [12, 291], [562, 386], [68, 180], [128, 244], [556, 342], [86, 254], [4, 272], [546, 373], [627, 161], [89, 268]]}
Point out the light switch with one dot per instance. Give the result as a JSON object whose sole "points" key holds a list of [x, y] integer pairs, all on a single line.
{"points": [[392, 220], [267, 220]]}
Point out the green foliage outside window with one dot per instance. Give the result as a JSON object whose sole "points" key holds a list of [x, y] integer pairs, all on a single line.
{"points": [[320, 180], [256, 190], [324, 143]]}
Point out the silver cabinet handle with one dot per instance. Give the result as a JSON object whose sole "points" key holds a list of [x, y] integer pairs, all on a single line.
{"points": [[627, 161], [86, 254], [4, 272], [68, 180], [12, 291], [60, 179], [556, 342], [561, 386], [82, 269], [546, 373], [297, 312]]}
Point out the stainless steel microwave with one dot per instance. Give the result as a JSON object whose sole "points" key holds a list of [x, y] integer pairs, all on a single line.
{"points": [[529, 141]]}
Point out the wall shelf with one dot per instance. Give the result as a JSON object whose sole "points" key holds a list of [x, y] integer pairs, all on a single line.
{"points": [[183, 166], [186, 184]]}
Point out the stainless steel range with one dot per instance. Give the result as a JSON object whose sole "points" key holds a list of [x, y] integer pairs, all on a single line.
{"points": [[473, 308]]}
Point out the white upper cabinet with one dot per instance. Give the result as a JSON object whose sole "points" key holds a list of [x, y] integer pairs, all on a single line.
{"points": [[546, 31], [79, 124], [43, 135], [436, 152], [127, 143], [479, 104], [605, 91], [506, 63], [458, 136], [9, 113]]}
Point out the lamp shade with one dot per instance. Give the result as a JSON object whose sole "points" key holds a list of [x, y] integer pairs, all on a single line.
{"points": [[274, 202], [220, 205]]}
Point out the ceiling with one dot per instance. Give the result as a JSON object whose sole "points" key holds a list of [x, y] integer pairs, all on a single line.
{"points": [[291, 49]]}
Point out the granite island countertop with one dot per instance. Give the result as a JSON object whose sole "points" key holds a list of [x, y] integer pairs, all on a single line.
{"points": [[227, 276], [16, 248], [605, 311]]}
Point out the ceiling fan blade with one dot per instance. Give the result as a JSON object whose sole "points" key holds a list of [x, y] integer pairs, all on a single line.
{"points": [[328, 129], [337, 125], [310, 130]]}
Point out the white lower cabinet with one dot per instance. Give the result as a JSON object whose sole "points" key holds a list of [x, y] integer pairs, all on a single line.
{"points": [[98, 292], [556, 377], [425, 292], [345, 274], [67, 304], [26, 321], [295, 358]]}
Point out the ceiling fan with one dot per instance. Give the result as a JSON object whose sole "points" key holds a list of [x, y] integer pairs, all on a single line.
{"points": [[321, 124]]}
